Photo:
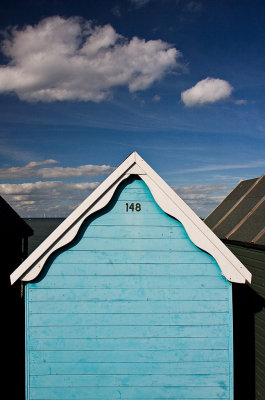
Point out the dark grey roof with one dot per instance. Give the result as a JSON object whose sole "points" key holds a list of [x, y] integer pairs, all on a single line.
{"points": [[241, 215]]}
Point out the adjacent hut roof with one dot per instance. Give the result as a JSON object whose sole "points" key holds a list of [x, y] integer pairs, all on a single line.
{"points": [[165, 197], [241, 215], [11, 222]]}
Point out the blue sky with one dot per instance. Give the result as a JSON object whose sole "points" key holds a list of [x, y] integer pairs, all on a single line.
{"points": [[85, 83]]}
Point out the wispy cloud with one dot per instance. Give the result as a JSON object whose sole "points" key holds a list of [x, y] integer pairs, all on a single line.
{"points": [[44, 188], [222, 167], [32, 169], [58, 198], [156, 98], [49, 197], [71, 59], [11, 152], [53, 198], [203, 198], [193, 6], [209, 90], [240, 101], [140, 3], [116, 10]]}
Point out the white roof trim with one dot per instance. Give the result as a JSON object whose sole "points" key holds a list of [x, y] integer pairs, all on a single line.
{"points": [[165, 197]]}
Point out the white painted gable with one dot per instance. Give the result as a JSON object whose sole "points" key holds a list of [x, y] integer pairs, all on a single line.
{"points": [[165, 197]]}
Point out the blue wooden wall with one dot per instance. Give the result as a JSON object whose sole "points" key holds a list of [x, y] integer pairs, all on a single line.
{"points": [[131, 310]]}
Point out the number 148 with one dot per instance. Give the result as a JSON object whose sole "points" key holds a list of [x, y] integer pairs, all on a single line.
{"points": [[133, 207]]}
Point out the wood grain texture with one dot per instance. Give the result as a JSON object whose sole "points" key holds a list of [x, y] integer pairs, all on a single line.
{"points": [[132, 309]]}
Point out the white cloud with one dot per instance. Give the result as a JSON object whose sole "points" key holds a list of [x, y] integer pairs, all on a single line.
{"points": [[44, 188], [57, 198], [70, 59], [194, 6], [209, 90], [116, 11], [52, 198], [203, 198], [26, 171], [222, 167], [31, 170], [240, 101], [81, 171], [156, 98]]}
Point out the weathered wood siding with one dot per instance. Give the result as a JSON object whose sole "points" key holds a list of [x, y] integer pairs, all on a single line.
{"points": [[249, 325], [131, 310]]}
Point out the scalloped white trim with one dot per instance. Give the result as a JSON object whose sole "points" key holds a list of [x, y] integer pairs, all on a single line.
{"points": [[66, 238], [200, 240], [165, 197]]}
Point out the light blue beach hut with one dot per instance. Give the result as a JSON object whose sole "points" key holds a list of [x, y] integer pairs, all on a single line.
{"points": [[130, 298]]}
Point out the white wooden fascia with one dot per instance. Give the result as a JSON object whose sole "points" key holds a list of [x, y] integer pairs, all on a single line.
{"points": [[68, 229], [166, 198], [199, 233]]}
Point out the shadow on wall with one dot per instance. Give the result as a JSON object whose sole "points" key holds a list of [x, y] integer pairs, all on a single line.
{"points": [[13, 333], [246, 303]]}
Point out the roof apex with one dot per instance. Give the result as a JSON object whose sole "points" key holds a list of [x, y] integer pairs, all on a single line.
{"points": [[165, 197]]}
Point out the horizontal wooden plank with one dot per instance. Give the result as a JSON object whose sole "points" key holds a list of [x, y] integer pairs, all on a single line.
{"points": [[134, 219], [128, 319], [117, 393], [145, 345], [58, 294], [145, 207], [108, 269], [128, 356], [128, 307], [139, 380], [129, 331], [140, 208], [133, 256], [136, 184], [88, 368], [132, 244], [135, 196], [132, 282], [116, 231], [128, 192]]}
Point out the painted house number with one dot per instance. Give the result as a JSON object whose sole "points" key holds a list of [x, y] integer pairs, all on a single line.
{"points": [[133, 207]]}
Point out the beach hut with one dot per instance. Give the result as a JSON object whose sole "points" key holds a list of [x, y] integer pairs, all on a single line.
{"points": [[130, 298], [239, 221]]}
